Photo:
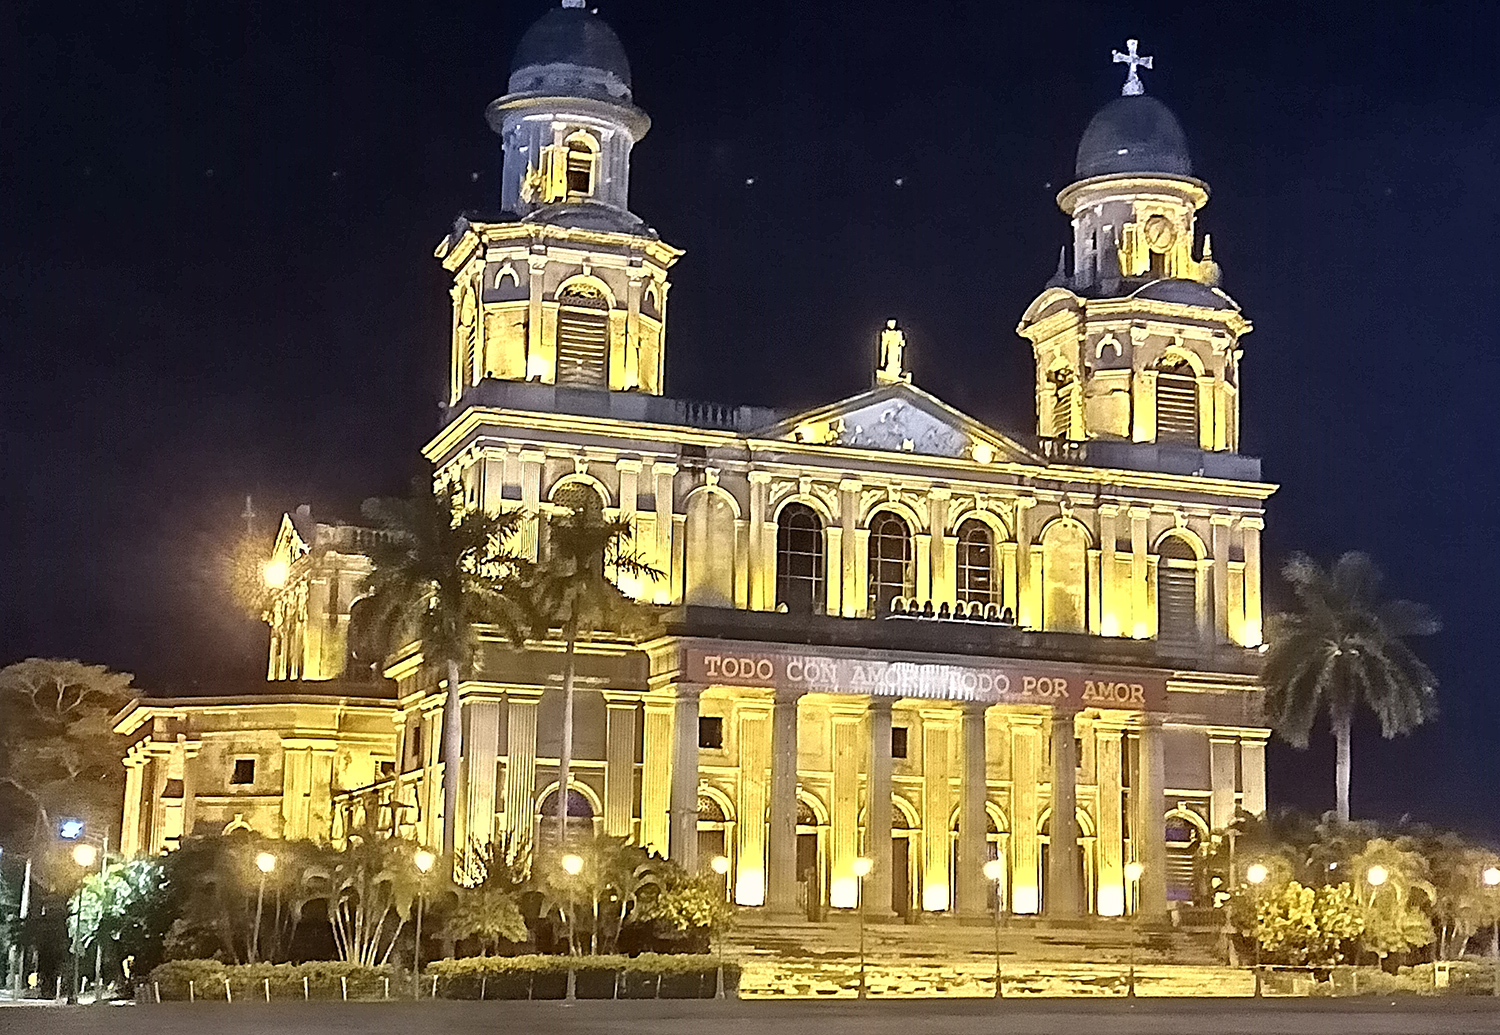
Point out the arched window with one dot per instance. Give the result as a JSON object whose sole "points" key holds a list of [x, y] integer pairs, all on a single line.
{"points": [[582, 337], [977, 575], [799, 560], [709, 552], [583, 164], [1065, 551], [580, 817], [1176, 403], [891, 572], [1176, 591]]}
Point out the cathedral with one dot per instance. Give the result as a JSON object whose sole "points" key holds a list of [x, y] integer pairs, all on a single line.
{"points": [[886, 630]]}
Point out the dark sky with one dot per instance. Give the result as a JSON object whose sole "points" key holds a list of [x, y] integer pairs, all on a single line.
{"points": [[216, 274]]}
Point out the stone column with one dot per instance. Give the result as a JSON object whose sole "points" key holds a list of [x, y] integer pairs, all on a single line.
{"points": [[1253, 772], [943, 585], [481, 752], [520, 768], [683, 836], [1028, 595], [1150, 833], [130, 828], [922, 542], [631, 359], [1219, 525], [1254, 633], [781, 893], [937, 803], [754, 716], [536, 360], [1222, 760], [619, 765], [531, 499], [847, 719], [665, 474], [1140, 616], [834, 573], [1111, 835], [1064, 896], [854, 593], [973, 823], [296, 779], [1026, 736], [1109, 592], [320, 799], [878, 886], [656, 774], [762, 577]]}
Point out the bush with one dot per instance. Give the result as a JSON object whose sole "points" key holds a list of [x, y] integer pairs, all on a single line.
{"points": [[647, 976], [248, 981]]}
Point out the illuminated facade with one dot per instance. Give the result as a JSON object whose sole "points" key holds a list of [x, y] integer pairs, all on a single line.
{"points": [[889, 630]]}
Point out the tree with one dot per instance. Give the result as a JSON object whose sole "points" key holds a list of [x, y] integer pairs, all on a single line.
{"points": [[59, 754], [439, 570], [1346, 646], [572, 590], [1395, 916], [370, 888], [490, 910], [1463, 902], [1304, 926]]}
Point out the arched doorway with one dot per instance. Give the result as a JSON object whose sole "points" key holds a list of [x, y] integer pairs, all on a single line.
{"points": [[812, 871], [1186, 835], [580, 819], [715, 835], [1086, 871]]}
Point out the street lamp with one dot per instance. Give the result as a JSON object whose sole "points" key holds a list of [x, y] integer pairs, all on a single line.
{"points": [[424, 861], [572, 864], [275, 573], [994, 871], [1133, 871], [861, 868], [720, 865], [1256, 874], [1491, 877], [84, 855], [1377, 875], [265, 862]]}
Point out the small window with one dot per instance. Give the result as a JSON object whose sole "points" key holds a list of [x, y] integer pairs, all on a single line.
{"points": [[711, 732], [898, 741], [244, 771], [173, 789], [384, 770], [415, 743]]}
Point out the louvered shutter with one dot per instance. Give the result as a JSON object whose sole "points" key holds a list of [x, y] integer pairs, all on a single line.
{"points": [[1176, 604], [1177, 407], [582, 343]]}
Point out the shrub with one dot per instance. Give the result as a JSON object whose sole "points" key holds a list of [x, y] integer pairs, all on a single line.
{"points": [[324, 980], [596, 977]]}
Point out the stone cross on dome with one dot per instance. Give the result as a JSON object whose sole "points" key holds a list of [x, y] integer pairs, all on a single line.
{"points": [[1133, 85]]}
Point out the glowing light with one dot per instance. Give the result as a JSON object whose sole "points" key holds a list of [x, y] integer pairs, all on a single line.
{"points": [[631, 586], [1024, 899], [424, 860], [1140, 632], [862, 867], [265, 862], [982, 452], [1109, 626], [1377, 875], [1133, 871], [994, 870], [275, 573], [572, 864], [843, 892], [1111, 900], [70, 829], [750, 887], [536, 368], [1257, 873], [935, 897], [85, 855], [720, 865]]}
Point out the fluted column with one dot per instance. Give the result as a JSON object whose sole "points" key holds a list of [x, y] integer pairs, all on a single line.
{"points": [[684, 831], [782, 890], [1151, 824], [130, 829], [520, 768], [1064, 896], [937, 736], [754, 716], [1025, 740], [878, 886], [1110, 842], [973, 823], [847, 719], [656, 773], [477, 792], [619, 765]]}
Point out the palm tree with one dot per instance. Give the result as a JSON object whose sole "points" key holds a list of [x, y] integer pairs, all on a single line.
{"points": [[572, 591], [439, 570], [1345, 647]]}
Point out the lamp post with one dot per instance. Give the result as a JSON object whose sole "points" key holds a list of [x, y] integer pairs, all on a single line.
{"points": [[1491, 879], [424, 861], [1376, 876], [720, 865], [84, 855], [994, 872], [265, 862], [1256, 874], [1133, 871], [861, 868]]}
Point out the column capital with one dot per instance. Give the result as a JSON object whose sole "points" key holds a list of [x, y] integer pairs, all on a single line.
{"points": [[628, 464], [1221, 519], [1253, 521], [1025, 502], [620, 698], [850, 485], [940, 493], [1139, 513], [875, 705], [1108, 509], [759, 477], [532, 456], [663, 467], [781, 696]]}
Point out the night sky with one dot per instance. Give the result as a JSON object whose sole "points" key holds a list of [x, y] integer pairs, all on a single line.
{"points": [[216, 275]]}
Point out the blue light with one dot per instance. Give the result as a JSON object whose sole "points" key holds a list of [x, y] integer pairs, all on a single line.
{"points": [[70, 829]]}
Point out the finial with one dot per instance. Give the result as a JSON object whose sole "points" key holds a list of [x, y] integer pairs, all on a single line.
{"points": [[892, 367], [1133, 86], [1208, 247], [1060, 278]]}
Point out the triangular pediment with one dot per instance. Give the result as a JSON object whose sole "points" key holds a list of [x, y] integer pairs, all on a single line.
{"points": [[901, 418]]}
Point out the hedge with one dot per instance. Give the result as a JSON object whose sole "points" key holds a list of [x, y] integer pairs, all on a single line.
{"points": [[206, 979], [648, 976]]}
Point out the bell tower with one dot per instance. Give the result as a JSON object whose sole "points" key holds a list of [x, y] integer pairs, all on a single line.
{"points": [[1133, 338], [568, 286]]}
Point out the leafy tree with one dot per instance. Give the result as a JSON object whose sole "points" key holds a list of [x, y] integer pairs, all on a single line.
{"points": [[439, 570], [59, 754], [490, 910], [572, 590], [1395, 910], [595, 906], [1345, 646], [370, 888], [1463, 902], [686, 904], [1305, 926]]}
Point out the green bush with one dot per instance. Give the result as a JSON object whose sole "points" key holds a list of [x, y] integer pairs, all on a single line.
{"points": [[205, 979], [647, 976]]}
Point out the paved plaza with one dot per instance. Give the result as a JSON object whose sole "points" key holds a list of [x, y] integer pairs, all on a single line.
{"points": [[1365, 1016]]}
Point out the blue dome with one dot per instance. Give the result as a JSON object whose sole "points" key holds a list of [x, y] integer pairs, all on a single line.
{"points": [[1133, 134]]}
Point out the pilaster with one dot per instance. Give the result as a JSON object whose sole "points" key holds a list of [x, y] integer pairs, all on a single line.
{"points": [[656, 773], [683, 836], [1253, 773], [973, 822], [1140, 611], [782, 892], [619, 765], [1219, 525], [854, 591], [1110, 623], [1149, 834], [1064, 864], [480, 761], [520, 767], [1025, 759], [937, 803], [754, 717], [1108, 741], [1251, 529], [1222, 762], [1028, 590], [847, 719], [760, 574]]}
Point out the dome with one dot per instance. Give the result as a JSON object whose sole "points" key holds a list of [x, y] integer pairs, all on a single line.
{"points": [[1133, 134], [1187, 292], [571, 51]]}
